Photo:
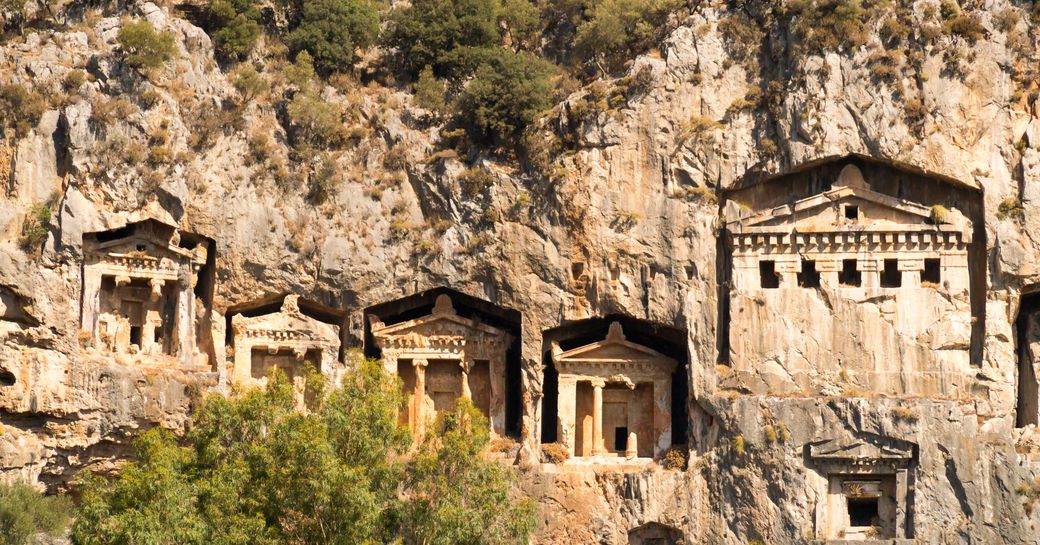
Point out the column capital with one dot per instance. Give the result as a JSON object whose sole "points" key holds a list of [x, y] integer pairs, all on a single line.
{"points": [[598, 383], [420, 363]]}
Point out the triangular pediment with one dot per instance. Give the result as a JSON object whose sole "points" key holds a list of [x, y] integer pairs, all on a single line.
{"points": [[810, 211], [143, 244], [615, 348], [442, 321]]}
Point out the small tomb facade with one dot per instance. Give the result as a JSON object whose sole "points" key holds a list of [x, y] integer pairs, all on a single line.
{"points": [[286, 340], [138, 294], [614, 398], [442, 357], [864, 489], [655, 533]]}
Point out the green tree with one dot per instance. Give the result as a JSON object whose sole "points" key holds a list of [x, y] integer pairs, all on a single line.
{"points": [[614, 30], [315, 122], [256, 470], [508, 91], [455, 496], [330, 30], [24, 512], [250, 84], [143, 46], [429, 91], [429, 31], [234, 26]]}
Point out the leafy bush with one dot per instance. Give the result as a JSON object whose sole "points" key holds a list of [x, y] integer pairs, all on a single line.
{"points": [[615, 30], [429, 91], [823, 25], [330, 30], [234, 26], [34, 227], [1010, 208], [73, 80], [250, 84], [24, 512], [428, 32], [144, 47], [315, 122], [475, 180], [324, 179], [20, 108], [506, 94]]}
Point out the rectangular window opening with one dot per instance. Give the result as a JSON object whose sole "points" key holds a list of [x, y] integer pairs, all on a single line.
{"points": [[135, 335], [770, 280], [863, 512], [808, 278], [891, 277], [931, 276], [851, 212], [850, 275], [621, 439]]}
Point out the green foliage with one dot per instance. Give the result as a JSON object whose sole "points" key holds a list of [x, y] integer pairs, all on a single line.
{"points": [[324, 179], [235, 27], [1010, 208], [20, 108], [475, 180], [257, 470], [34, 227], [522, 21], [429, 33], [73, 80], [330, 30], [506, 93], [429, 91], [250, 84], [825, 25], [315, 122], [615, 30], [938, 214], [455, 495], [24, 512], [144, 47]]}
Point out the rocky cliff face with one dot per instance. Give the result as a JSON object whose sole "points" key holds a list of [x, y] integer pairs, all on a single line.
{"points": [[628, 223]]}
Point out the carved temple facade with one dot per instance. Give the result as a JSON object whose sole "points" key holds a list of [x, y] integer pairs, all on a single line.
{"points": [[139, 295], [442, 357], [286, 340], [614, 398]]}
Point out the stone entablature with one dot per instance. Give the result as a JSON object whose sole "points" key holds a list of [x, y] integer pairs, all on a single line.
{"points": [[447, 356], [633, 380], [287, 339], [850, 222], [138, 295], [865, 488]]}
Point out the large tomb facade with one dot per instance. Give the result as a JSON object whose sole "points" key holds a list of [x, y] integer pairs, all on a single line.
{"points": [[139, 295], [443, 356], [287, 340], [846, 271], [865, 489], [614, 398]]}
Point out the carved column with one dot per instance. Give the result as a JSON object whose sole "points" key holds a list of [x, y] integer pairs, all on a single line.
{"points": [[566, 407], [91, 301], [419, 397], [597, 417], [901, 503], [497, 406], [466, 364], [870, 275], [662, 439], [390, 362]]}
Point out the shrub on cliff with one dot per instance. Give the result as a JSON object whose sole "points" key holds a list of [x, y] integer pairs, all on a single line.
{"points": [[507, 92], [429, 32], [256, 470], [143, 46], [330, 30], [24, 513], [235, 27]]}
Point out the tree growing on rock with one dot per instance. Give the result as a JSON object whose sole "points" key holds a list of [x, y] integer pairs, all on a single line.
{"points": [[144, 47], [255, 469]]}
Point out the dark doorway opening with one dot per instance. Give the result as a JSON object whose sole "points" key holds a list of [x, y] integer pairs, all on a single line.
{"points": [[890, 275], [1027, 331], [808, 278], [621, 439], [863, 511], [931, 273], [767, 270], [850, 275]]}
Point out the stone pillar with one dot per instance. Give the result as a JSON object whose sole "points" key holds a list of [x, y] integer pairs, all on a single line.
{"points": [[901, 507], [91, 300], [497, 409], [566, 409], [389, 358], [419, 397], [466, 366], [828, 270], [597, 417], [662, 439], [911, 272], [788, 271], [870, 273], [631, 449], [186, 316], [243, 360]]}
